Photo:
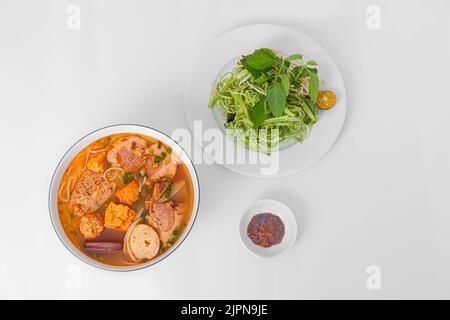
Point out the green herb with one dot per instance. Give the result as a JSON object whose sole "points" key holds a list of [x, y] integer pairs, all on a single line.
{"points": [[258, 112], [260, 60], [311, 113], [298, 73], [294, 57], [285, 82], [309, 109], [127, 177], [276, 99], [283, 67], [267, 100], [175, 233], [313, 84], [163, 154], [157, 159], [254, 72], [269, 75], [240, 102]]}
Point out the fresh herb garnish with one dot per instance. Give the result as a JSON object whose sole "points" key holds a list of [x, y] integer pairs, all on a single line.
{"points": [[269, 92], [157, 159], [313, 84], [259, 61], [285, 83], [258, 112], [127, 177], [276, 99]]}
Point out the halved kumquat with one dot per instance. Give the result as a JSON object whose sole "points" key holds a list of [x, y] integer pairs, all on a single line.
{"points": [[326, 99]]}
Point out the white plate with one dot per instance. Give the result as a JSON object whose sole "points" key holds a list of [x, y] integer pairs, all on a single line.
{"points": [[220, 56], [278, 209]]}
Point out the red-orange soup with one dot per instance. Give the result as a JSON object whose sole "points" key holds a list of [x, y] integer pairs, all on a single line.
{"points": [[125, 199]]}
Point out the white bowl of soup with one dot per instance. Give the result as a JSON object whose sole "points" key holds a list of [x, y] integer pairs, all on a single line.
{"points": [[124, 197]]}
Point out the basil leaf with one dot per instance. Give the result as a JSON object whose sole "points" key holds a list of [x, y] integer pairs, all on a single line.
{"points": [[127, 177], [261, 60], [311, 63], [255, 73], [313, 85], [276, 99], [258, 112], [294, 57], [285, 82], [298, 73]]}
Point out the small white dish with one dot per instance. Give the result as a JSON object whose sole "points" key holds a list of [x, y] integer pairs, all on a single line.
{"points": [[278, 209]]}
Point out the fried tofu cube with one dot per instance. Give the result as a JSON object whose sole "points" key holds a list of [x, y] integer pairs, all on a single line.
{"points": [[119, 216], [91, 225], [129, 193], [97, 162]]}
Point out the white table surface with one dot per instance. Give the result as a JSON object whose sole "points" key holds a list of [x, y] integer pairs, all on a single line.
{"points": [[380, 197]]}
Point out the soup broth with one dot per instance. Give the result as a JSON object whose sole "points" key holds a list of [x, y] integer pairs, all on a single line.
{"points": [[125, 199]]}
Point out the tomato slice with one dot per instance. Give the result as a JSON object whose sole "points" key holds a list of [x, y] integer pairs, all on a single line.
{"points": [[326, 99]]}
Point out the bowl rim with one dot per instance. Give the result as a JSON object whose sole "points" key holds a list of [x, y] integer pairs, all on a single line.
{"points": [[95, 263]]}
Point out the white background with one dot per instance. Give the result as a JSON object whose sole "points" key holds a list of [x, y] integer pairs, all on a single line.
{"points": [[380, 197]]}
